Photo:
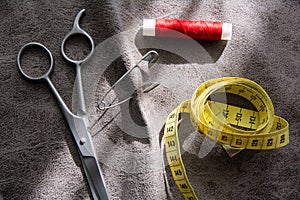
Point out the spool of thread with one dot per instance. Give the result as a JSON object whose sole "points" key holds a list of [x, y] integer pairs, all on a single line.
{"points": [[196, 29]]}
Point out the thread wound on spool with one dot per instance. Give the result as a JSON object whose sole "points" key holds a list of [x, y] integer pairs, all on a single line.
{"points": [[196, 29]]}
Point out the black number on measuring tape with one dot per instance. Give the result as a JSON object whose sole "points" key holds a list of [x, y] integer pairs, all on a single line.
{"points": [[238, 141], [171, 143], [172, 116], [282, 139], [241, 91], [238, 116], [178, 172], [252, 97], [225, 113], [254, 143], [252, 120], [270, 142], [170, 129], [224, 138], [173, 158], [262, 107], [183, 186], [190, 198], [228, 88], [278, 126]]}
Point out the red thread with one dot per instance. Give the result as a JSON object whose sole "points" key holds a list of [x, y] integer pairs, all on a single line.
{"points": [[196, 29]]}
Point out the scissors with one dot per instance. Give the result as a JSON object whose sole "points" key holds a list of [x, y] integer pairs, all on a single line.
{"points": [[77, 123]]}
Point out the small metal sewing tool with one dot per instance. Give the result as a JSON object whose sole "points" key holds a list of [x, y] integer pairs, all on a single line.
{"points": [[151, 57], [77, 123]]}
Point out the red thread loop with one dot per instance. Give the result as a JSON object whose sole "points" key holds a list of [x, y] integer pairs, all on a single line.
{"points": [[196, 29]]}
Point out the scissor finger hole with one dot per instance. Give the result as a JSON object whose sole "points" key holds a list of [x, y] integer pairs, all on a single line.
{"points": [[77, 47], [35, 61]]}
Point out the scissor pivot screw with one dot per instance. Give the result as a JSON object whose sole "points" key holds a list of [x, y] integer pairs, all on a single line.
{"points": [[82, 141]]}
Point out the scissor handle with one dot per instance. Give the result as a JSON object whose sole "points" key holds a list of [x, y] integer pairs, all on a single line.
{"points": [[77, 30], [44, 48]]}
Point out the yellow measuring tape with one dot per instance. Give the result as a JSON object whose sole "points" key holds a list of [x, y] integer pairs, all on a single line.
{"points": [[252, 126]]}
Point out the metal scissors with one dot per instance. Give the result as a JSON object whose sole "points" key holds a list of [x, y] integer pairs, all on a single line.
{"points": [[77, 123]]}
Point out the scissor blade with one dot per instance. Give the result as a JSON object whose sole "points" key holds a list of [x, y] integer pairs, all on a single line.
{"points": [[95, 178]]}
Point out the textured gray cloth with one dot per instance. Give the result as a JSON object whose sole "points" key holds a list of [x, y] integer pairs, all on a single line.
{"points": [[38, 158]]}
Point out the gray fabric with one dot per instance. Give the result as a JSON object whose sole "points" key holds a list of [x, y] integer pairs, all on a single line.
{"points": [[39, 159]]}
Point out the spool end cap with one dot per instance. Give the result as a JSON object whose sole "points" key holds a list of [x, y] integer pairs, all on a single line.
{"points": [[149, 27], [226, 31]]}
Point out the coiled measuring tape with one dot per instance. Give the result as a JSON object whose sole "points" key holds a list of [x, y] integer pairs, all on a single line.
{"points": [[233, 125]]}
